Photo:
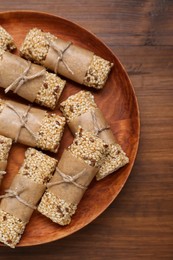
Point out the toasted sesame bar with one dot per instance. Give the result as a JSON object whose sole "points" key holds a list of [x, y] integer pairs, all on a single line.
{"points": [[80, 103], [97, 73], [5, 145], [51, 132], [50, 91], [77, 104], [58, 210], [88, 147], [35, 48], [115, 159], [37, 166], [6, 41], [11, 229]]}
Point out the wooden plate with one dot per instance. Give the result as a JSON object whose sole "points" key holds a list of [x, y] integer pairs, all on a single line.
{"points": [[118, 103]]}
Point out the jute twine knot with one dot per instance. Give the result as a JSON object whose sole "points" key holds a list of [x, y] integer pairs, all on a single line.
{"points": [[60, 55], [68, 179], [23, 120], [14, 194], [22, 79]]}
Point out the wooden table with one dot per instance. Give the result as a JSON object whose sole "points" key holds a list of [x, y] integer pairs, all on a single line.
{"points": [[139, 223]]}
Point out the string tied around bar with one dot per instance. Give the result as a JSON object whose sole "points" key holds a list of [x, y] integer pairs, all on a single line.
{"points": [[69, 179], [14, 194], [22, 79], [60, 55], [23, 120]]}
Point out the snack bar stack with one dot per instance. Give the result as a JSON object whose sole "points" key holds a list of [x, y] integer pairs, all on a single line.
{"points": [[6, 41], [30, 81], [20, 200], [66, 58], [81, 109], [5, 145], [76, 169], [31, 126]]}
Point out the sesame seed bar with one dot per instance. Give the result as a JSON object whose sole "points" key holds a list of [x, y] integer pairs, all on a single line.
{"points": [[39, 128], [56, 209], [11, 229], [83, 157], [50, 91], [30, 81], [37, 166], [74, 62], [5, 145], [31, 180], [81, 109], [88, 147], [6, 41]]}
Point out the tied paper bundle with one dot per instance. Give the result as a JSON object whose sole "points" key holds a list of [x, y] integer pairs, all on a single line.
{"points": [[20, 200], [75, 171], [31, 126], [81, 109], [6, 41], [30, 81], [65, 58], [5, 145]]}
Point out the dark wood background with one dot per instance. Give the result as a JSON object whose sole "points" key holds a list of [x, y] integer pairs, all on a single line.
{"points": [[139, 223]]}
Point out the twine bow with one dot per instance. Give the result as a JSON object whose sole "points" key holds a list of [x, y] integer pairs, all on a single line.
{"points": [[68, 179], [60, 55], [23, 119], [97, 127], [22, 79], [14, 194], [1, 174]]}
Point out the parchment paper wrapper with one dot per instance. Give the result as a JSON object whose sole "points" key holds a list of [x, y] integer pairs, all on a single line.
{"points": [[12, 67], [71, 165], [93, 121], [31, 192], [78, 60], [11, 124]]}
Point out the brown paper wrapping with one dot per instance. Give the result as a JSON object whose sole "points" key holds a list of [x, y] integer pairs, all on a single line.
{"points": [[10, 123], [87, 122], [3, 165], [71, 165], [12, 67], [77, 58], [31, 192]]}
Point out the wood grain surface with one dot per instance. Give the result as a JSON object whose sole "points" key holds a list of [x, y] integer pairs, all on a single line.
{"points": [[139, 223]]}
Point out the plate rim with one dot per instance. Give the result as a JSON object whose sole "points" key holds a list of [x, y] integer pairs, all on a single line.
{"points": [[138, 124]]}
